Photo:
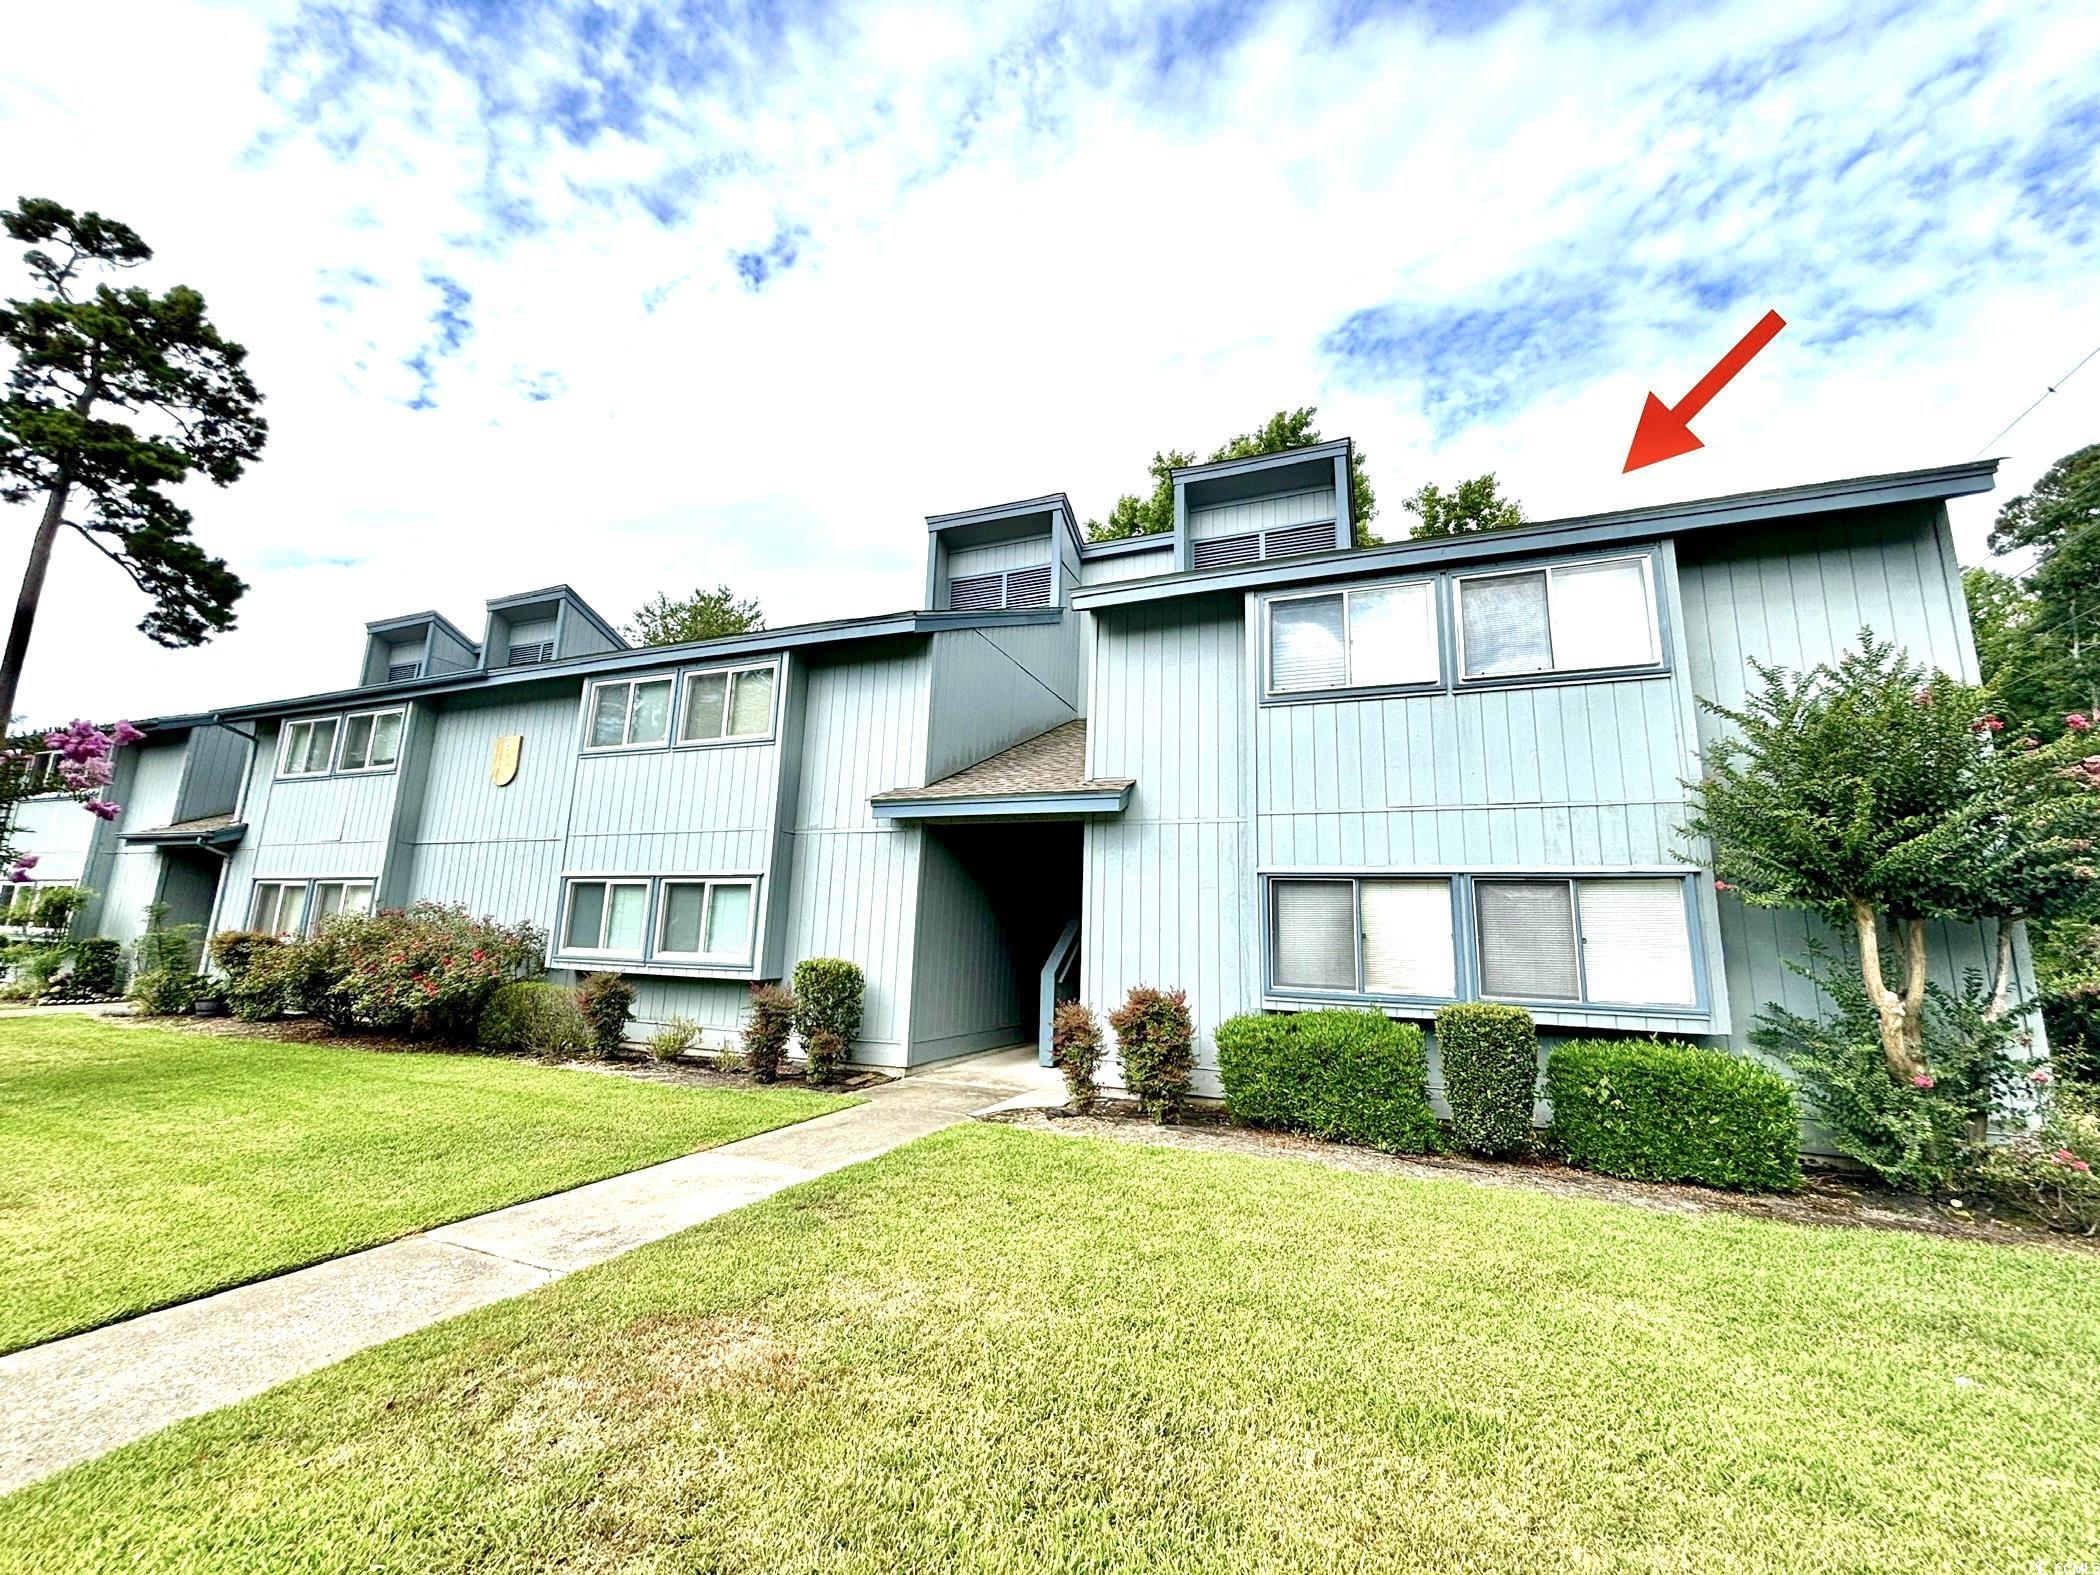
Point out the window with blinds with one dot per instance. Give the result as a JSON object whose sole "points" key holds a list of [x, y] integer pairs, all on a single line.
{"points": [[1378, 636], [1575, 617], [1363, 937], [1617, 941]]}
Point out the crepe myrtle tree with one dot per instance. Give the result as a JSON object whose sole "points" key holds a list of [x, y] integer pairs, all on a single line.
{"points": [[86, 764], [1884, 795], [115, 397]]}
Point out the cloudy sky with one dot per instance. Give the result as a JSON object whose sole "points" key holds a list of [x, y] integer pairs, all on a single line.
{"points": [[641, 296]]}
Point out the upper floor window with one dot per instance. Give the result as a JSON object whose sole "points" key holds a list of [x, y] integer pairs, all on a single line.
{"points": [[309, 748], [727, 705], [371, 741], [630, 711], [1374, 637], [362, 741], [40, 772], [1575, 617]]}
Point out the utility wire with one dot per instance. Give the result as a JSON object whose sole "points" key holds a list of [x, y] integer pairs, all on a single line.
{"points": [[2023, 415]]}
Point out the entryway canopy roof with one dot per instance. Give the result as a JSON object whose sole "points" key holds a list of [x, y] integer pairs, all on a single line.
{"points": [[1040, 778]]}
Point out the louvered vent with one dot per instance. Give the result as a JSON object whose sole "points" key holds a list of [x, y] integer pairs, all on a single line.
{"points": [[977, 593], [532, 655], [1028, 587], [1222, 550], [1317, 537], [401, 672]]}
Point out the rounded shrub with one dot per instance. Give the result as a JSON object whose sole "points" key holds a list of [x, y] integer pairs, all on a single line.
{"points": [[235, 951], [97, 969], [1658, 1110], [1348, 1076], [1075, 1047], [537, 1018], [165, 992], [1156, 1042], [605, 999], [829, 995], [767, 1030], [672, 1040], [1490, 1055]]}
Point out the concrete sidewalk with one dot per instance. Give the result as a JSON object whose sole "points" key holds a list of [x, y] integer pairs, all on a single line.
{"points": [[77, 1398]]}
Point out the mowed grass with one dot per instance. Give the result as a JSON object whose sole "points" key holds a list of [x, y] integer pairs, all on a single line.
{"points": [[1005, 1350], [140, 1167]]}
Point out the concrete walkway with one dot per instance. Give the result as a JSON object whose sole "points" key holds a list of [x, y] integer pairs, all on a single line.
{"points": [[77, 1398]]}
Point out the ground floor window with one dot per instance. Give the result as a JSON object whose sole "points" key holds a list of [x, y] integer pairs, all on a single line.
{"points": [[297, 907], [1578, 940], [679, 918]]}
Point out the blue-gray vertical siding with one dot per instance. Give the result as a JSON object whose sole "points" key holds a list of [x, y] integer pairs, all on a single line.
{"points": [[853, 891], [1169, 884], [1794, 596], [1129, 565], [993, 688], [1271, 513]]}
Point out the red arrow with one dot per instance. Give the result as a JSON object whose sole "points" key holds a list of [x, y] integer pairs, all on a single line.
{"points": [[1665, 431]]}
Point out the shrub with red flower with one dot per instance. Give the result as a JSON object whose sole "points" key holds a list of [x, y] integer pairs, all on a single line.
{"points": [[425, 971], [2048, 1172]]}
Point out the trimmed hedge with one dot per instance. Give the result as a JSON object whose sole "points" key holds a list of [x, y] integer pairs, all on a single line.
{"points": [[1355, 1077], [767, 1030], [1655, 1110], [1490, 1056], [1075, 1049], [829, 995]]}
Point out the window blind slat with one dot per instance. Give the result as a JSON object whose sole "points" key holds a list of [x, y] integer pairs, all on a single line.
{"points": [[1505, 625], [1305, 644], [1314, 934], [1527, 940], [1408, 946], [1636, 950]]}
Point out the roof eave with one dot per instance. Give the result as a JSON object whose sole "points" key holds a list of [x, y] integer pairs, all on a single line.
{"points": [[1948, 481], [1100, 799]]}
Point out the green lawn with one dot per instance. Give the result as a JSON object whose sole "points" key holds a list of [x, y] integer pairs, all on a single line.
{"points": [[1004, 1350], [141, 1166]]}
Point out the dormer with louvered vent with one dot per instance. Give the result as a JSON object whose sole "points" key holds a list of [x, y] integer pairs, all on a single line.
{"points": [[544, 626], [1014, 557], [1274, 506], [420, 645]]}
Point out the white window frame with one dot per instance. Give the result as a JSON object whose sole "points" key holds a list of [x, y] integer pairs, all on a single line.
{"points": [[730, 675], [1552, 571], [40, 773], [345, 883], [284, 746], [569, 884], [1348, 593], [280, 887], [710, 884], [627, 740], [342, 736]]}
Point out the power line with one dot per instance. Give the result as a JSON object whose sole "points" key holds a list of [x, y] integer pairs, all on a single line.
{"points": [[2023, 415]]}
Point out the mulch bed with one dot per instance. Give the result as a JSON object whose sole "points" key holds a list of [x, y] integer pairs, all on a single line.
{"points": [[1826, 1197], [634, 1064]]}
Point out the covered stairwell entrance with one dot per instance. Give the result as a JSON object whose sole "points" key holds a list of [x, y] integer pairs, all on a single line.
{"points": [[997, 939]]}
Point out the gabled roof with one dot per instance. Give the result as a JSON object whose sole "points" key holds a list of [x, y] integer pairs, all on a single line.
{"points": [[1043, 775], [1588, 530]]}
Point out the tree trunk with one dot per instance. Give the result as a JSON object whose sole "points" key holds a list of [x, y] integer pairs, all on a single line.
{"points": [[1914, 966], [1890, 1008], [31, 594], [2001, 981]]}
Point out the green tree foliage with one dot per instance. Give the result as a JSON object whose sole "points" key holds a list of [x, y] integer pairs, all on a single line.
{"points": [[116, 396], [1153, 512], [1878, 792], [2038, 636], [1471, 506], [704, 615]]}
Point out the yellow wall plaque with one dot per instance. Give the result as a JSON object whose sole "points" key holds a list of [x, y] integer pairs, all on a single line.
{"points": [[503, 759]]}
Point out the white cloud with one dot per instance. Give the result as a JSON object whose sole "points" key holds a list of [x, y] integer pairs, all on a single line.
{"points": [[1026, 253]]}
